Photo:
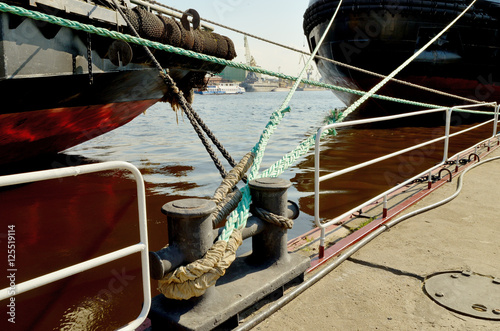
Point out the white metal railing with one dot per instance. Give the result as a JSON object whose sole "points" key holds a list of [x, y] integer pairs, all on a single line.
{"points": [[318, 179], [141, 247]]}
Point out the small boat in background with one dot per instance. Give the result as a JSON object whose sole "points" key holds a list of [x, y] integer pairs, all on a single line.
{"points": [[221, 88]]}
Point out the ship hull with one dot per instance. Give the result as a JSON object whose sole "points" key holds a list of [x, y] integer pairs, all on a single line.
{"points": [[380, 36], [55, 113], [61, 87]]}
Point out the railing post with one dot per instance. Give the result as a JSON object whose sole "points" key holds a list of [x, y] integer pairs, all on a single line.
{"points": [[447, 134], [384, 212], [495, 122], [270, 194]]}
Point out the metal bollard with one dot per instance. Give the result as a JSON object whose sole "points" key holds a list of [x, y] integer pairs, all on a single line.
{"points": [[271, 244], [190, 234]]}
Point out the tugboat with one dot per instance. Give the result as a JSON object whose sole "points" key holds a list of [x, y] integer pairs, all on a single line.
{"points": [[378, 36], [61, 87]]}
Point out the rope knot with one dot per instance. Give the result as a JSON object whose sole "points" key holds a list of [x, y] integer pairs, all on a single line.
{"points": [[274, 219]]}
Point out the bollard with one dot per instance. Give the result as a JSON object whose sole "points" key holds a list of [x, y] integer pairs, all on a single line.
{"points": [[271, 244], [190, 235], [249, 279], [190, 227]]}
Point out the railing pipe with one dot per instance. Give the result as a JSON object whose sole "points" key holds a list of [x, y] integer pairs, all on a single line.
{"points": [[495, 123], [350, 212], [382, 158], [70, 271], [447, 134], [318, 179], [141, 247], [372, 200]]}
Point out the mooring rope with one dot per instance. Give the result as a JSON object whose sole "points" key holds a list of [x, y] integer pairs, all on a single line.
{"points": [[194, 279], [236, 221], [193, 117], [338, 63]]}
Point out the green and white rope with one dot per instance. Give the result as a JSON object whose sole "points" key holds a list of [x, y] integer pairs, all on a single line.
{"points": [[260, 147], [179, 51]]}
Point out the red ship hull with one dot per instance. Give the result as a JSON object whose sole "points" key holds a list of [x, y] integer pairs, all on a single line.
{"points": [[47, 131]]}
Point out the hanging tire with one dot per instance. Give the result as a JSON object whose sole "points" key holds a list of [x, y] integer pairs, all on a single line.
{"points": [[134, 20], [222, 47], [199, 43], [187, 37], [231, 50], [151, 27], [210, 44], [172, 34]]}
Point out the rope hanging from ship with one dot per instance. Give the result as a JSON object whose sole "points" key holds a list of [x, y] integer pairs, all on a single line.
{"points": [[174, 95]]}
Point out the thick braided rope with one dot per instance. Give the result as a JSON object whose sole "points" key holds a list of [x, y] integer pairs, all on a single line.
{"points": [[179, 51], [225, 199], [194, 279], [269, 217], [234, 177]]}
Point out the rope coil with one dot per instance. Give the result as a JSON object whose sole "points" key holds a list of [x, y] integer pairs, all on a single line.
{"points": [[194, 279]]}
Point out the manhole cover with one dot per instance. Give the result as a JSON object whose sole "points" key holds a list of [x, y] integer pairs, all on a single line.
{"points": [[466, 293]]}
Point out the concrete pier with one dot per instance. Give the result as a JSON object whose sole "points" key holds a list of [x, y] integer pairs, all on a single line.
{"points": [[381, 286]]}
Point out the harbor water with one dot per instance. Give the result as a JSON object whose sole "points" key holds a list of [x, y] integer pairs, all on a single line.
{"points": [[62, 222]]}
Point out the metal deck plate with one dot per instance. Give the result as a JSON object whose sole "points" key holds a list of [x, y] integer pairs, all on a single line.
{"points": [[466, 293]]}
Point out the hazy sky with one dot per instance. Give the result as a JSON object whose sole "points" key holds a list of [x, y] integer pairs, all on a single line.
{"points": [[277, 20]]}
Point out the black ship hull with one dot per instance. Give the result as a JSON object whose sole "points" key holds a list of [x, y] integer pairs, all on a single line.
{"points": [[380, 35]]}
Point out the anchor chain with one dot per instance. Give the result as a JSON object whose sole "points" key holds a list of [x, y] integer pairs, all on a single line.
{"points": [[89, 57]]}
